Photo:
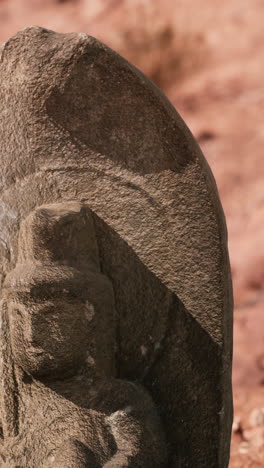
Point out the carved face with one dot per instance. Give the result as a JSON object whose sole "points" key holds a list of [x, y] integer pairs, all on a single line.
{"points": [[50, 335], [51, 292]]}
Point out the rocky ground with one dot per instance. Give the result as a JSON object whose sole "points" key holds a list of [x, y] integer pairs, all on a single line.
{"points": [[207, 57]]}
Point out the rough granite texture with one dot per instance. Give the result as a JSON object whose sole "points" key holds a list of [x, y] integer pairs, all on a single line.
{"points": [[84, 133]]}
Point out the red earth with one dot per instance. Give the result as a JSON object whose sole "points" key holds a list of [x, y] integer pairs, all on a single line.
{"points": [[207, 57]]}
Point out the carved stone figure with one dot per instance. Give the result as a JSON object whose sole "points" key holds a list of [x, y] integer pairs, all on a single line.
{"points": [[68, 409], [116, 298]]}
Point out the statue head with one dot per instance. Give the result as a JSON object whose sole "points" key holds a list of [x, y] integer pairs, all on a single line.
{"points": [[60, 305]]}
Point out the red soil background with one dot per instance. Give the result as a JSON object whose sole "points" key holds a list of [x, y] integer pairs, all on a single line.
{"points": [[207, 56]]}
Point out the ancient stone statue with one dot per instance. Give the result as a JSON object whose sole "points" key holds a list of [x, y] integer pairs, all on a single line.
{"points": [[116, 300], [68, 409]]}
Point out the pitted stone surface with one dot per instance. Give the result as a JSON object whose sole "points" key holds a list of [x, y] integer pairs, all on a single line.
{"points": [[79, 124]]}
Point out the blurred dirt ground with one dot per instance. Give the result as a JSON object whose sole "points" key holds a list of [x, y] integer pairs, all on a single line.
{"points": [[207, 56]]}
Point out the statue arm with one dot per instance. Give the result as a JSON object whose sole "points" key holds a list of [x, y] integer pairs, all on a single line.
{"points": [[130, 436]]}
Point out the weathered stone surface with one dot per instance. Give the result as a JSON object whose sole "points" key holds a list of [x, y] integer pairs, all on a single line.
{"points": [[67, 409], [78, 123]]}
